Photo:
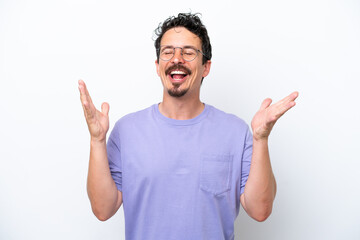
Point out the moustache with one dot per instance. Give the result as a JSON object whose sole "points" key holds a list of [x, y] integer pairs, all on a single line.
{"points": [[178, 67]]}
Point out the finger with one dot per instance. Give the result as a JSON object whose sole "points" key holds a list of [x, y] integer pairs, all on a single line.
{"points": [[294, 95], [289, 101], [284, 108], [285, 105], [81, 86], [105, 108], [82, 90], [289, 98], [87, 94], [89, 111], [266, 103], [84, 94], [81, 82], [88, 106], [83, 97]]}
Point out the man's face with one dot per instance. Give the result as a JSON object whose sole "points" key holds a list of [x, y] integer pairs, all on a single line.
{"points": [[178, 76]]}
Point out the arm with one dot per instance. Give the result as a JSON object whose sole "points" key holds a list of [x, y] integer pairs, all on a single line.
{"points": [[104, 197], [260, 188]]}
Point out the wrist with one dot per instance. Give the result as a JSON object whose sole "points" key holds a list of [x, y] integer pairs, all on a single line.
{"points": [[97, 141], [260, 140]]}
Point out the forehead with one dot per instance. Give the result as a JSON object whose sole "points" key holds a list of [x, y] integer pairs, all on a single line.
{"points": [[180, 36]]}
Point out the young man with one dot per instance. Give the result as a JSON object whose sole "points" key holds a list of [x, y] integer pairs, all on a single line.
{"points": [[181, 168]]}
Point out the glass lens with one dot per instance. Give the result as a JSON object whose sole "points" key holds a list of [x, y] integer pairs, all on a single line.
{"points": [[166, 53], [189, 53]]}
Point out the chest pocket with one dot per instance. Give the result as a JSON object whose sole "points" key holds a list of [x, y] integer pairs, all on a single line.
{"points": [[216, 173]]}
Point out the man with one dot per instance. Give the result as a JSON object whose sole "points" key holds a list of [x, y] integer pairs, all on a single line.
{"points": [[181, 168]]}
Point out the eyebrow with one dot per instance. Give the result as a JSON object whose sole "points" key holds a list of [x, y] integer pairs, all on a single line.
{"points": [[189, 46], [171, 46]]}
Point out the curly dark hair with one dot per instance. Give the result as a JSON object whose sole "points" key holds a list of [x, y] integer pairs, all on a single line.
{"points": [[192, 23]]}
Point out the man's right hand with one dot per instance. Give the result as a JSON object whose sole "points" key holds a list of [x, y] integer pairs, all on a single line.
{"points": [[98, 122]]}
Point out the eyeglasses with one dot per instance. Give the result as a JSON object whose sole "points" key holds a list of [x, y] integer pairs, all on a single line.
{"points": [[166, 53]]}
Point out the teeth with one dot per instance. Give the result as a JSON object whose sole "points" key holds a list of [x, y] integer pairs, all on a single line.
{"points": [[178, 72]]}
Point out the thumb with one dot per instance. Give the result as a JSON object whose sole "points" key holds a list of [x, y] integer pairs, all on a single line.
{"points": [[266, 103], [105, 108]]}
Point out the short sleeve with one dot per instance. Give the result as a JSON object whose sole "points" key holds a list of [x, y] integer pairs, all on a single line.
{"points": [[114, 156], [246, 159]]}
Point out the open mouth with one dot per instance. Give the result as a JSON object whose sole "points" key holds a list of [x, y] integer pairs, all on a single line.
{"points": [[178, 75]]}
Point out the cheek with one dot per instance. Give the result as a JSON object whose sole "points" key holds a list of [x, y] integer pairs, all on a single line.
{"points": [[197, 74], [193, 78], [159, 70]]}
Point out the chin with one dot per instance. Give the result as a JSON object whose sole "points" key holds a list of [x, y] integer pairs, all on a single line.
{"points": [[176, 92]]}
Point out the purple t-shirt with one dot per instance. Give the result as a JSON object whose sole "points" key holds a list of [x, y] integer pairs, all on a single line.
{"points": [[180, 179]]}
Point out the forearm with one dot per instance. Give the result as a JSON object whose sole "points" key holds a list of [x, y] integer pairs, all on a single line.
{"points": [[260, 188], [101, 187]]}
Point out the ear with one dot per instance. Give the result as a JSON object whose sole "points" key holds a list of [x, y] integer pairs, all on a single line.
{"points": [[207, 67], [157, 68]]}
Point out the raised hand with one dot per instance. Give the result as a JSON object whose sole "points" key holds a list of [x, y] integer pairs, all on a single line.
{"points": [[98, 122], [266, 117]]}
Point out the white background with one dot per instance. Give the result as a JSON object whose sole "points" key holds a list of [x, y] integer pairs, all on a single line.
{"points": [[260, 49]]}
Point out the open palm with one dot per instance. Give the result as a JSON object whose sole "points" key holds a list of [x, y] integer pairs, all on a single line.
{"points": [[98, 122], [268, 114]]}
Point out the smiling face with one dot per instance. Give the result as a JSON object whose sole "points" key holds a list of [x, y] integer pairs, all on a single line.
{"points": [[178, 76]]}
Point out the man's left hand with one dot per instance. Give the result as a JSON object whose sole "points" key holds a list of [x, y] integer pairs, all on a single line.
{"points": [[266, 117]]}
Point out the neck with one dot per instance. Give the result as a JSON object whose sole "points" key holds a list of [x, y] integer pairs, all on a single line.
{"points": [[181, 108]]}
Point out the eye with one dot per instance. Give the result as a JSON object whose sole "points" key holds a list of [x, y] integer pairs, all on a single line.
{"points": [[189, 52], [167, 51]]}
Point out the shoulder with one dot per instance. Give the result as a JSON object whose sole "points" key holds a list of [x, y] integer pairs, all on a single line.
{"points": [[224, 118], [135, 117]]}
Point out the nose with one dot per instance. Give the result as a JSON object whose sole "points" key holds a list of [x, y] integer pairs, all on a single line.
{"points": [[177, 56]]}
